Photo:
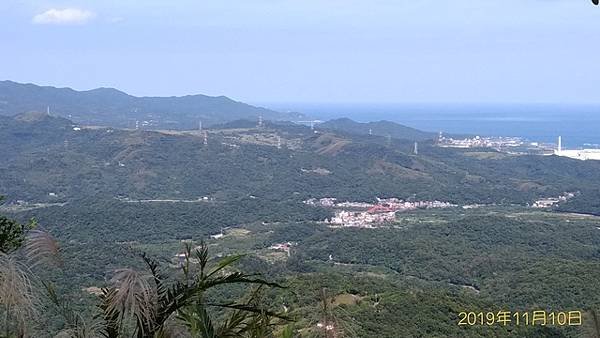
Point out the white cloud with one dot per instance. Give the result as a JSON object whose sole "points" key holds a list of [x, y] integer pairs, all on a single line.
{"points": [[64, 16]]}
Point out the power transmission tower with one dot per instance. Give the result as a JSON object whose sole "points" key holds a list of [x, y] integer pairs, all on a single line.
{"points": [[260, 121]]}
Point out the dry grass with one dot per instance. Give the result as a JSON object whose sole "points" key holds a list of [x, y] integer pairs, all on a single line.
{"points": [[133, 295], [41, 247], [16, 289]]}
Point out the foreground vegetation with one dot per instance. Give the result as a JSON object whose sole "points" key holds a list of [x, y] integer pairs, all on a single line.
{"points": [[412, 278], [135, 303]]}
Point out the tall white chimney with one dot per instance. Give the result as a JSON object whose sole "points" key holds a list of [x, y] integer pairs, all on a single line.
{"points": [[559, 149]]}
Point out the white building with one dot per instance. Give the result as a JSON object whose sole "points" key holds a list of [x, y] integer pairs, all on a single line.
{"points": [[578, 154]]}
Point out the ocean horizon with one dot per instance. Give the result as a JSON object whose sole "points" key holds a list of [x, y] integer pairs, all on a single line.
{"points": [[579, 125]]}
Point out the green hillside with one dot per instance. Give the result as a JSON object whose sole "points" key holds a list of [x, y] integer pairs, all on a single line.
{"points": [[107, 194], [379, 128]]}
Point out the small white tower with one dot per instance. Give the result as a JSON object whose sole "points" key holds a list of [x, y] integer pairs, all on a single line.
{"points": [[200, 125], [260, 121], [416, 150], [559, 148], [205, 138]]}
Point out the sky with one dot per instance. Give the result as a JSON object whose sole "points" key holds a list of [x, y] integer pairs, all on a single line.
{"points": [[330, 51]]}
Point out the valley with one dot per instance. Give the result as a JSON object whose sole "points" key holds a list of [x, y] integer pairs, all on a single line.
{"points": [[299, 169], [471, 241]]}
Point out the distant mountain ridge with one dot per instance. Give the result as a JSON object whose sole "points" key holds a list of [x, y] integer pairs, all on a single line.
{"points": [[109, 106], [378, 128]]}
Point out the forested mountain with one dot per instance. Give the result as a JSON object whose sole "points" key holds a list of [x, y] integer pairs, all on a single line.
{"points": [[379, 128], [108, 106], [107, 193], [44, 155]]}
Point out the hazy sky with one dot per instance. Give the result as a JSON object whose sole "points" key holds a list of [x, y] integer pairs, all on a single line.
{"points": [[310, 50]]}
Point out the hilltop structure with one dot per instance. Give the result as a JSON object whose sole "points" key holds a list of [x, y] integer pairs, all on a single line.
{"points": [[578, 154]]}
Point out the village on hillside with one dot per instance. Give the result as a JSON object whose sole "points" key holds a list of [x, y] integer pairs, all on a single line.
{"points": [[369, 215]]}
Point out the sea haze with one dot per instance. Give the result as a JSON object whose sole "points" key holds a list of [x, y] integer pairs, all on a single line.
{"points": [[579, 125]]}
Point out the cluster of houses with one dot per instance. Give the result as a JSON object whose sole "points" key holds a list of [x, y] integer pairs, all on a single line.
{"points": [[480, 142], [394, 204], [285, 247], [552, 201], [368, 215], [361, 219]]}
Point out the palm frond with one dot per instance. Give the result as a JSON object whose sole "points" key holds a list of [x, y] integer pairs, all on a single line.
{"points": [[259, 326], [157, 276], [249, 319], [233, 324], [288, 332], [225, 262], [201, 254], [247, 322], [237, 278], [186, 266], [111, 318], [249, 309], [197, 319], [178, 296]]}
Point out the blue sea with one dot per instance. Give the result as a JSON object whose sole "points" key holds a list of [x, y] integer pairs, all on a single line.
{"points": [[579, 125]]}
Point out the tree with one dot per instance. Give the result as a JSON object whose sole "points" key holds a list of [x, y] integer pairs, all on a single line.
{"points": [[150, 304], [12, 233]]}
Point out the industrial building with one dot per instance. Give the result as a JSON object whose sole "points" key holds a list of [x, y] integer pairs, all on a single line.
{"points": [[578, 154]]}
